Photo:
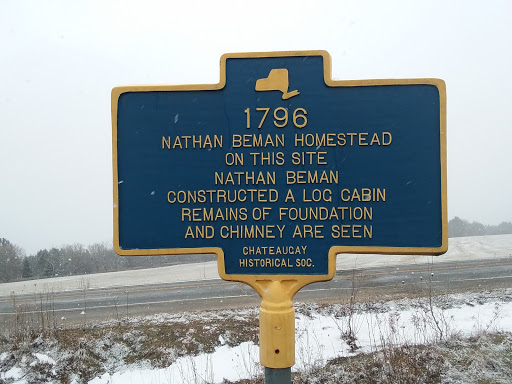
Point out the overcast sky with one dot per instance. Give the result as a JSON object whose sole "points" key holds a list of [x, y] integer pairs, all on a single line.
{"points": [[59, 61]]}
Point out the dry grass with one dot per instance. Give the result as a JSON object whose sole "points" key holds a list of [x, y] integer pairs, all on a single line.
{"points": [[89, 350]]}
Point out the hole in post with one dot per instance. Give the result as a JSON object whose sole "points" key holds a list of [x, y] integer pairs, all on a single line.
{"points": [[277, 351]]}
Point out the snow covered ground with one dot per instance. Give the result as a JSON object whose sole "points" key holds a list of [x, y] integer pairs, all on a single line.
{"points": [[321, 335], [318, 339], [461, 248]]}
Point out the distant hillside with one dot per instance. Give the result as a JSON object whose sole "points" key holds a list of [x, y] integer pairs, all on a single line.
{"points": [[458, 227]]}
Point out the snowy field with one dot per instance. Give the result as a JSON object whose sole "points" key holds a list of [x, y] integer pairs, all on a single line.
{"points": [[461, 248], [322, 333], [318, 339]]}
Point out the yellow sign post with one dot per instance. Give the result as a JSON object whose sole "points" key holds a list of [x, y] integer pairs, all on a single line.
{"points": [[277, 315]]}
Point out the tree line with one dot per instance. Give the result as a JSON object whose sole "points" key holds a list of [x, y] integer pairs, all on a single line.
{"points": [[458, 227], [77, 259]]}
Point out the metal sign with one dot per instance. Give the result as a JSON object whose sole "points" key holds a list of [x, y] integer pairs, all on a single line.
{"points": [[278, 166], [276, 169]]}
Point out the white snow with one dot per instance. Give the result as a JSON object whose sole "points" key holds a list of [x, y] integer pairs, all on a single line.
{"points": [[14, 373], [318, 339], [459, 248], [225, 362], [43, 359]]}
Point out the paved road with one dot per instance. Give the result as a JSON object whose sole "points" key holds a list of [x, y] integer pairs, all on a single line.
{"points": [[374, 283]]}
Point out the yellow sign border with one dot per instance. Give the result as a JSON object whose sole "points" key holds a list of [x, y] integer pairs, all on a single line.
{"points": [[295, 281]]}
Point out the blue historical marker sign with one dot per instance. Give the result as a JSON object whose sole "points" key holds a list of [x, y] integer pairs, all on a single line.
{"points": [[277, 168]]}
